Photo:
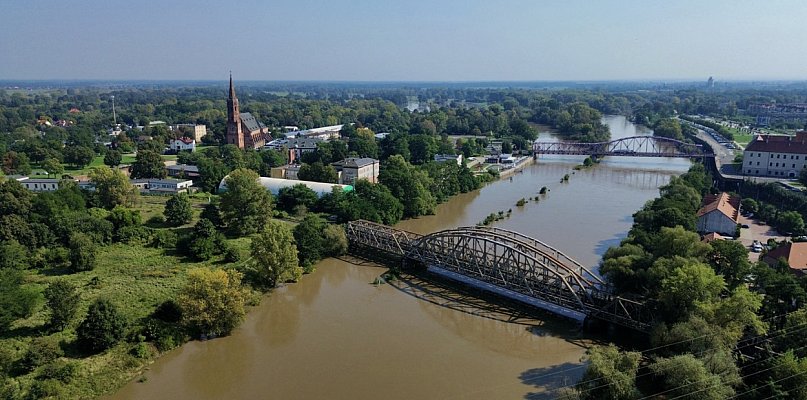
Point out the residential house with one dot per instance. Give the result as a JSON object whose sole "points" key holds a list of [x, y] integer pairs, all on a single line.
{"points": [[794, 253], [719, 213], [182, 144]]}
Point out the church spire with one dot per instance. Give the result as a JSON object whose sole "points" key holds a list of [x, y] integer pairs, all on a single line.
{"points": [[232, 88]]}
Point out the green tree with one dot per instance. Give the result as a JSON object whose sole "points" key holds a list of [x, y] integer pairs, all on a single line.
{"points": [[309, 239], [41, 351], [376, 203], [103, 327], [16, 163], [274, 255], [211, 173], [82, 252], [611, 374], [148, 164], [687, 288], [686, 377], [16, 300], [289, 198], [53, 167], [790, 222], [730, 259], [113, 188], [13, 255], [334, 241], [246, 205], [408, 185], [204, 241], [79, 156], [318, 172], [212, 301], [112, 158], [751, 205], [15, 199], [62, 299], [669, 128], [178, 210]]}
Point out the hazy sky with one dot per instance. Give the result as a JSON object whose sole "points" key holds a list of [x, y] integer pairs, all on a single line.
{"points": [[434, 40]]}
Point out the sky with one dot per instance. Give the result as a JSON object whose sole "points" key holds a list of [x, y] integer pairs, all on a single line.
{"points": [[414, 40]]}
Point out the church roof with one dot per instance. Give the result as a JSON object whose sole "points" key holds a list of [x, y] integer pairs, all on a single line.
{"points": [[250, 122]]}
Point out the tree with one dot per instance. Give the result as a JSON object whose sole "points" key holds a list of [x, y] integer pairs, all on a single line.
{"points": [[275, 256], [376, 203], [148, 164], [289, 198], [62, 299], [309, 239], [112, 158], [790, 222], [751, 205], [13, 255], [16, 300], [686, 377], [53, 166], [246, 205], [669, 128], [113, 188], [79, 156], [212, 302], [407, 185], [82, 252], [211, 173], [16, 163], [178, 209], [103, 327], [688, 287], [334, 241], [205, 241], [318, 172], [611, 374], [15, 199], [730, 259]]}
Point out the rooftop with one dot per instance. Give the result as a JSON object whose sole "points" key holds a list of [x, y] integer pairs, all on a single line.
{"points": [[354, 162], [779, 143], [728, 205], [794, 253]]}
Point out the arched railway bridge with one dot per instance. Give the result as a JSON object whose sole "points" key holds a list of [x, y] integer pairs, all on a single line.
{"points": [[505, 262], [634, 146]]}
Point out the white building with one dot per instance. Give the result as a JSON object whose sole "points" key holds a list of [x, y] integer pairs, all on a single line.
{"points": [[776, 155], [352, 169], [448, 157], [166, 186], [182, 144], [195, 131], [720, 214], [39, 185], [275, 184]]}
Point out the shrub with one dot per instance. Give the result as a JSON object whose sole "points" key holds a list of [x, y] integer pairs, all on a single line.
{"points": [[41, 351], [164, 239], [6, 361], [232, 255], [60, 370], [134, 234], [212, 301], [141, 350], [82, 252], [178, 209], [103, 327], [168, 311], [48, 388], [521, 202]]}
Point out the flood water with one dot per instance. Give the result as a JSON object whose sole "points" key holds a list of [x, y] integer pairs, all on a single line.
{"points": [[335, 335]]}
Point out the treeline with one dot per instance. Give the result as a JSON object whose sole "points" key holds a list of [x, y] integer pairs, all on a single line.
{"points": [[720, 129], [781, 208], [724, 328]]}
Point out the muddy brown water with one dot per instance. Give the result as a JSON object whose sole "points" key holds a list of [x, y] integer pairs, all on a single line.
{"points": [[335, 335]]}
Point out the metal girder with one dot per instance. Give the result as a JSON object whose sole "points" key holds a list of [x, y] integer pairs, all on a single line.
{"points": [[634, 146]]}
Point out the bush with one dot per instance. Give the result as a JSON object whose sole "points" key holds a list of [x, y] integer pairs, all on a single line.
{"points": [[60, 370], [49, 388], [168, 311], [164, 239], [232, 255], [6, 361], [141, 350], [41, 351], [212, 301], [178, 209], [134, 234], [103, 327]]}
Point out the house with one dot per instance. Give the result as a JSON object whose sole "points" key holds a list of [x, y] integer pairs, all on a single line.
{"points": [[302, 145], [778, 156], [182, 170], [194, 131], [711, 237], [162, 186], [352, 169], [448, 157], [794, 253], [39, 185], [719, 213], [182, 144]]}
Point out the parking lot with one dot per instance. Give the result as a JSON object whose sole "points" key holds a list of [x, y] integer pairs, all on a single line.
{"points": [[756, 231]]}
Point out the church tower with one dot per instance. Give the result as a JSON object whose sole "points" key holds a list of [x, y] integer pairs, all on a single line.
{"points": [[234, 135]]}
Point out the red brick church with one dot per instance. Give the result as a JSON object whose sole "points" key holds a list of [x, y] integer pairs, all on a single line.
{"points": [[243, 130]]}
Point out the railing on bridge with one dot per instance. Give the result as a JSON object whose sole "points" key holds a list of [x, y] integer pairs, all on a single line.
{"points": [[507, 260], [635, 146]]}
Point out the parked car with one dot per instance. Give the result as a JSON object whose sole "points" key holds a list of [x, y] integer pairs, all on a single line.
{"points": [[744, 226]]}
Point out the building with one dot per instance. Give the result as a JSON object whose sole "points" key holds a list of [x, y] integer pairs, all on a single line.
{"points": [[301, 145], [38, 184], [183, 171], [324, 133], [162, 186], [794, 253], [352, 169], [776, 155], [720, 213], [275, 184], [182, 144], [711, 237], [448, 157], [194, 131], [243, 129]]}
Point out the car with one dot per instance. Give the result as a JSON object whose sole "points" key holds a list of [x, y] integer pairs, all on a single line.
{"points": [[756, 249], [744, 226]]}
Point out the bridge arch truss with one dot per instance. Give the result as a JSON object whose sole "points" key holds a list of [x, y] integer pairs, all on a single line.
{"points": [[634, 146]]}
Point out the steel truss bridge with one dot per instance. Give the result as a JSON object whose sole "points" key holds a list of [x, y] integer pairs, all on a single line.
{"points": [[506, 262], [635, 146]]}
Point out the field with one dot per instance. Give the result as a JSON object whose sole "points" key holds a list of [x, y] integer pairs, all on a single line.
{"points": [[137, 278]]}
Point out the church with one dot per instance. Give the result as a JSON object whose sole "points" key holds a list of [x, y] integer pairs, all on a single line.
{"points": [[243, 129]]}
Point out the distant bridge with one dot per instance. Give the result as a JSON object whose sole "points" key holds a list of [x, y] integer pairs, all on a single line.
{"points": [[504, 262], [635, 146]]}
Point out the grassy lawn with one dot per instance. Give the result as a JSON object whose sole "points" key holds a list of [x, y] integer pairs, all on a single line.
{"points": [[151, 208], [137, 279]]}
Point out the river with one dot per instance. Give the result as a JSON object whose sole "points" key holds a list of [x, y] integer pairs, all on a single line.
{"points": [[335, 335]]}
